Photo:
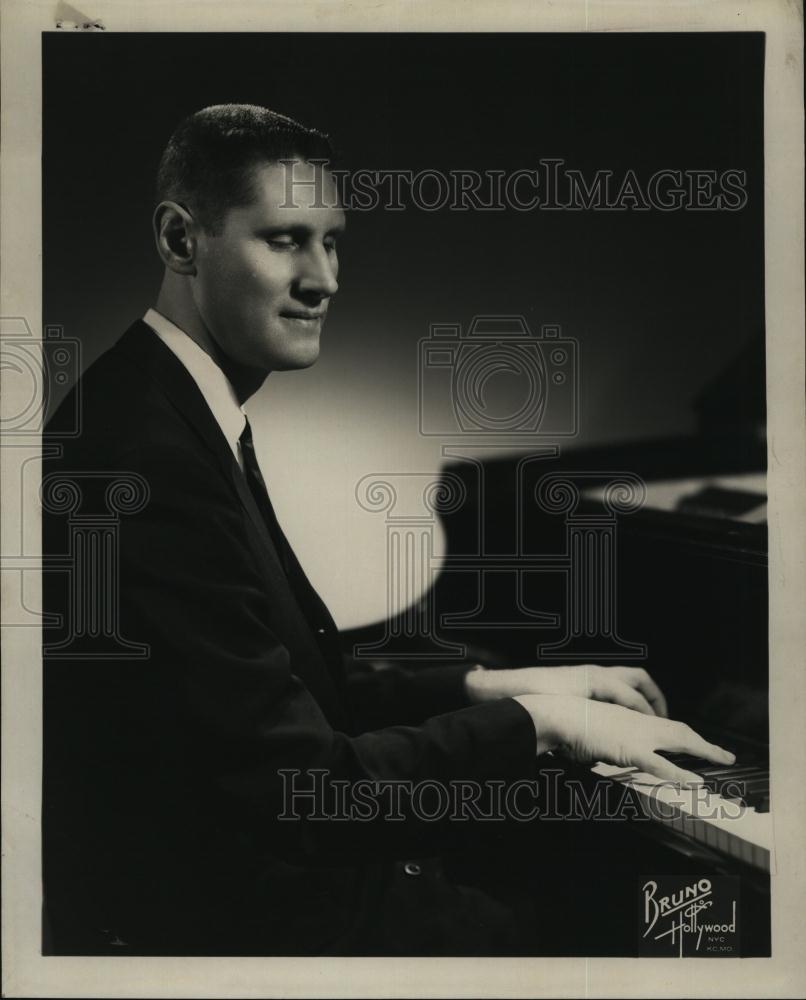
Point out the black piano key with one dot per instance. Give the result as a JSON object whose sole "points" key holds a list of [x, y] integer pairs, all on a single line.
{"points": [[744, 775], [699, 764], [759, 802], [757, 788], [747, 781], [728, 772], [752, 797], [748, 793], [737, 781], [740, 774]]}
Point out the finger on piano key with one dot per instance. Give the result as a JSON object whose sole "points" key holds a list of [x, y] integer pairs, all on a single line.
{"points": [[664, 769], [694, 747], [685, 760]]}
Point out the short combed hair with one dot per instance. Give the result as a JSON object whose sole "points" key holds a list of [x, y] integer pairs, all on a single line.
{"points": [[207, 163]]}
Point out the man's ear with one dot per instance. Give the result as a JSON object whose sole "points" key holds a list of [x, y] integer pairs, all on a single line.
{"points": [[174, 232]]}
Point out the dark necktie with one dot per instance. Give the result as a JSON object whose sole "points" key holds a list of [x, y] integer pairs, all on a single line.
{"points": [[310, 604], [257, 487]]}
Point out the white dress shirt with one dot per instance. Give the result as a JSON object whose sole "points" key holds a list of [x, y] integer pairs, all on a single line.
{"points": [[212, 382]]}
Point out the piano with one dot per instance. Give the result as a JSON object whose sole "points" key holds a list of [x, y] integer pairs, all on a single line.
{"points": [[705, 517], [674, 533], [729, 816]]}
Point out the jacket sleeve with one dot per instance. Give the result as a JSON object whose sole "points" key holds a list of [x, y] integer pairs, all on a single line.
{"points": [[231, 708], [387, 694]]}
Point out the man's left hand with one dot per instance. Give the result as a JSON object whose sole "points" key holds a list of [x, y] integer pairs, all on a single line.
{"points": [[631, 687]]}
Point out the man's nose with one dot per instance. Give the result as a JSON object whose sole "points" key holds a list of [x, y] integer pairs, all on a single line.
{"points": [[318, 274]]}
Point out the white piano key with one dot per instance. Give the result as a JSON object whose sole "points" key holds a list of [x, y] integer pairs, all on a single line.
{"points": [[725, 826]]}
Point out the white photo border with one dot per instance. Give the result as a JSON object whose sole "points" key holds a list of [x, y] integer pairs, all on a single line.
{"points": [[26, 972]]}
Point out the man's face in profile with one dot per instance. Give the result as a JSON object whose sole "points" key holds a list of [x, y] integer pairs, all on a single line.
{"points": [[263, 285]]}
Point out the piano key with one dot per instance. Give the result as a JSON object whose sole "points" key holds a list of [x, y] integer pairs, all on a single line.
{"points": [[736, 769], [741, 783], [739, 831], [716, 772], [691, 761], [761, 781], [740, 778]]}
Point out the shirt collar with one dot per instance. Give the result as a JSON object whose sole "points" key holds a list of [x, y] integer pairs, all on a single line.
{"points": [[212, 382]]}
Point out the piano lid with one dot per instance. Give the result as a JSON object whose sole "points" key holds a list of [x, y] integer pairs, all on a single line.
{"points": [[737, 497]]}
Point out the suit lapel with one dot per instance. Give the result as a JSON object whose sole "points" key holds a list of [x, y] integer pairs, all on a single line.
{"points": [[157, 361], [145, 349]]}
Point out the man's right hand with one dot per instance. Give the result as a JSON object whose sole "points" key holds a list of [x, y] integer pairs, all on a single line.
{"points": [[590, 731]]}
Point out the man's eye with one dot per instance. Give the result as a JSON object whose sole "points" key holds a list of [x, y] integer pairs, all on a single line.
{"points": [[281, 242]]}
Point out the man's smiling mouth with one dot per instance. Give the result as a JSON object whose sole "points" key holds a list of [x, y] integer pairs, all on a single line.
{"points": [[308, 316]]}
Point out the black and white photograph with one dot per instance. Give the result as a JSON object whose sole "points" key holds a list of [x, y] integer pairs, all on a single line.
{"points": [[405, 426]]}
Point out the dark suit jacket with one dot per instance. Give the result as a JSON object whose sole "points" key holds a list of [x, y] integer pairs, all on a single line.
{"points": [[162, 788]]}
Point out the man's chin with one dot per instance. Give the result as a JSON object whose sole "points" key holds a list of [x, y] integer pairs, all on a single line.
{"points": [[295, 361]]}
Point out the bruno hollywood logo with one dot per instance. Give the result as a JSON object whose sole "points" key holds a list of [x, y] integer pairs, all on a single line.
{"points": [[688, 917]]}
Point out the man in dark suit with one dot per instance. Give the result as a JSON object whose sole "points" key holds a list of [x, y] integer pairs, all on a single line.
{"points": [[167, 822]]}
